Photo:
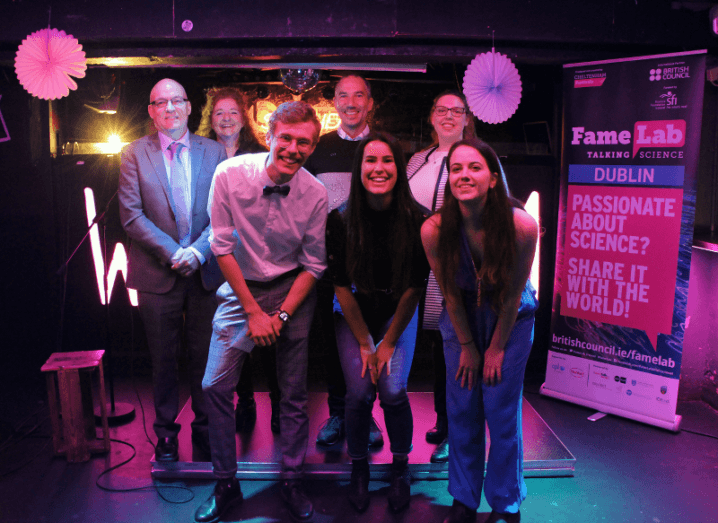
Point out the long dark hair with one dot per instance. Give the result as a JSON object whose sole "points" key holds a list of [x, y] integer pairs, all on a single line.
{"points": [[498, 223], [247, 142], [404, 214]]}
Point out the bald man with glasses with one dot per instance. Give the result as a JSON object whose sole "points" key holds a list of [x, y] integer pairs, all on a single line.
{"points": [[164, 186]]}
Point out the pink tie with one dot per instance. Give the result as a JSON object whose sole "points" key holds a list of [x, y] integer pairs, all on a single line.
{"points": [[178, 183]]}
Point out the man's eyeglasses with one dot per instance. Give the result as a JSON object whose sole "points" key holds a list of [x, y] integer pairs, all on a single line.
{"points": [[177, 102], [440, 110], [285, 140]]}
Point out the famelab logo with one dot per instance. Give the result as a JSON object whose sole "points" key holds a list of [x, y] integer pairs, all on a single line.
{"points": [[669, 73], [655, 134], [659, 133]]}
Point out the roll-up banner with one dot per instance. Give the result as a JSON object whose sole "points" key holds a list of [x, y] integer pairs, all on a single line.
{"points": [[631, 136]]}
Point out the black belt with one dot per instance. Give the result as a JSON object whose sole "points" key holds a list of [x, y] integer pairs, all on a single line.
{"points": [[279, 279]]}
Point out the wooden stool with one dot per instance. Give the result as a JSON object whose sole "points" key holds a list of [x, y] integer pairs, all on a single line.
{"points": [[73, 421]]}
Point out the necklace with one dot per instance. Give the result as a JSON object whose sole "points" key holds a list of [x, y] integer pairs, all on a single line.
{"points": [[479, 279]]}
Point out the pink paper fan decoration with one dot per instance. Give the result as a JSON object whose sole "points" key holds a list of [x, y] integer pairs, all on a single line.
{"points": [[46, 59], [492, 87]]}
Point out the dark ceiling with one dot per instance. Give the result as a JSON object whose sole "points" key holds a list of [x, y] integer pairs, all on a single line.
{"points": [[259, 33], [130, 44]]}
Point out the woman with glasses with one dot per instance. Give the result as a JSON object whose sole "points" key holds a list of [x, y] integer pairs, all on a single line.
{"points": [[379, 271], [451, 121], [481, 246], [224, 119]]}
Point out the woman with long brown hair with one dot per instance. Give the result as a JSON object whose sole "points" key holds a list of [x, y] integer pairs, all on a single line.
{"points": [[481, 246]]}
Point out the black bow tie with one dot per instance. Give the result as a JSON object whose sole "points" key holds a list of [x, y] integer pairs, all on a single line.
{"points": [[282, 190]]}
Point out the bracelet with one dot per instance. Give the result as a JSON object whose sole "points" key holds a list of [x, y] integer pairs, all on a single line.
{"points": [[467, 343]]}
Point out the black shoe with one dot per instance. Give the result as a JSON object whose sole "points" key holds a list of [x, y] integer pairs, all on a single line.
{"points": [[226, 493], [399, 489], [245, 415], [274, 422], [498, 517], [460, 513], [438, 432], [441, 452], [298, 503], [200, 442], [359, 487], [376, 440], [332, 432], [167, 449]]}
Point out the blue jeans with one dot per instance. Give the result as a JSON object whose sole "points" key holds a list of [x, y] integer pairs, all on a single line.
{"points": [[499, 406], [228, 349], [361, 392]]}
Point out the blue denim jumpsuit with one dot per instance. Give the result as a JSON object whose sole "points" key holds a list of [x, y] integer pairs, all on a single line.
{"points": [[499, 406]]}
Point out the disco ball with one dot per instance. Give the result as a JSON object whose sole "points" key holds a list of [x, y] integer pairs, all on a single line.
{"points": [[299, 80]]}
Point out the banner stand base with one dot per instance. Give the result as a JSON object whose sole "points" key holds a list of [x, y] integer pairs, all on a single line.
{"points": [[673, 426]]}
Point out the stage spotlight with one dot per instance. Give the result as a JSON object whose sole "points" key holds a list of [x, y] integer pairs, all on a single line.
{"points": [[114, 141], [113, 145]]}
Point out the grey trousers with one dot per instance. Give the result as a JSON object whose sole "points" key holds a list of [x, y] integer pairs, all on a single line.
{"points": [[228, 350], [186, 311]]}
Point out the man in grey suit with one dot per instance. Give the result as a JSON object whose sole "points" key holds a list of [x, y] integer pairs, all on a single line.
{"points": [[165, 180]]}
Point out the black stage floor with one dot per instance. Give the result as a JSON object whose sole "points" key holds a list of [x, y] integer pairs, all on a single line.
{"points": [[625, 471], [258, 458]]}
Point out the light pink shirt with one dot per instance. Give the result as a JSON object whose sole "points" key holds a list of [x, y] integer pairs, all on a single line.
{"points": [[165, 142], [344, 136], [269, 235]]}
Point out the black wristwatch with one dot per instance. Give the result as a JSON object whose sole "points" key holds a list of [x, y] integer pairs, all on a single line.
{"points": [[284, 316]]}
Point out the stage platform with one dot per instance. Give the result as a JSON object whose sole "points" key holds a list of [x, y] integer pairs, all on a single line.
{"points": [[544, 454]]}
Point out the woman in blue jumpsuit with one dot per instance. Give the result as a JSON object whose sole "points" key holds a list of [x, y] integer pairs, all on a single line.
{"points": [[481, 246]]}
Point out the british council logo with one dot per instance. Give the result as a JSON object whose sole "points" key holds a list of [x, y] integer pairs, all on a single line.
{"points": [[656, 75]]}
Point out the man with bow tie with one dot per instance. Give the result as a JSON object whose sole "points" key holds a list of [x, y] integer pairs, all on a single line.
{"points": [[268, 218], [165, 179]]}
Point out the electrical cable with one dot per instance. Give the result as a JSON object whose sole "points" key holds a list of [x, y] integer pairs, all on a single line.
{"points": [[132, 376], [145, 488], [27, 462], [15, 430], [713, 436], [16, 437], [154, 486]]}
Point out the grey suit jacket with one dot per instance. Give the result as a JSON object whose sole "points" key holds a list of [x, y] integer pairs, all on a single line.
{"points": [[147, 216]]}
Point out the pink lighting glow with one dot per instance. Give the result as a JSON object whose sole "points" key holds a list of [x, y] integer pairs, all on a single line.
{"points": [[119, 257], [532, 207]]}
